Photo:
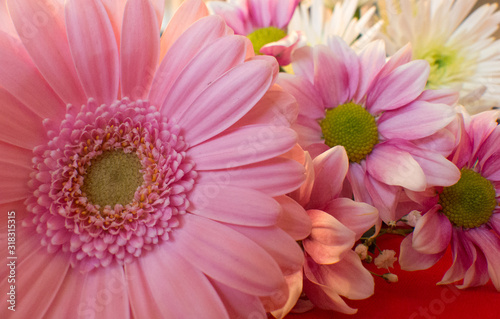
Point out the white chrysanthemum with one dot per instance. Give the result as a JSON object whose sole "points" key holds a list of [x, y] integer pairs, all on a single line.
{"points": [[459, 47], [318, 23]]}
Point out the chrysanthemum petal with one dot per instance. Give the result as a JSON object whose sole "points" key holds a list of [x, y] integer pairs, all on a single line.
{"points": [[410, 259], [329, 238], [274, 177], [331, 77], [372, 59], [495, 222], [477, 274], [20, 77], [186, 14], [432, 232], [204, 115], [242, 146], [303, 63], [351, 61], [231, 204], [330, 169], [293, 218], [149, 295], [416, 120], [140, 33], [239, 304], [392, 166], [358, 217], [48, 47], [462, 251], [489, 244], [206, 67], [401, 86], [310, 104], [383, 196], [217, 250], [94, 49]]}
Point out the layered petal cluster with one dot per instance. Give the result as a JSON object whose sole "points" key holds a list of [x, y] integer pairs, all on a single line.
{"points": [[318, 23], [378, 111], [458, 44], [470, 224], [142, 190], [332, 269], [265, 21]]}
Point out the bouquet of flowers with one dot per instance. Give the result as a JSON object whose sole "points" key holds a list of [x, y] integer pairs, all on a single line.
{"points": [[243, 158]]}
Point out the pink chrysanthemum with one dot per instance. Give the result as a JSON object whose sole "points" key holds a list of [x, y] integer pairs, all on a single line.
{"points": [[378, 111], [465, 216], [142, 189], [332, 269], [264, 22]]}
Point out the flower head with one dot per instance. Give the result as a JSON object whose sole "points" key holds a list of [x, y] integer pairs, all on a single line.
{"points": [[264, 22], [134, 178], [378, 111], [457, 43], [385, 259], [466, 215]]}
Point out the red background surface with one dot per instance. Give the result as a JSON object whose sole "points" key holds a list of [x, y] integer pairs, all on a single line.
{"points": [[416, 295]]}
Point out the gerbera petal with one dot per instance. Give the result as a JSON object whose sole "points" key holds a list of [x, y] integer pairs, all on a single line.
{"points": [[401, 86], [20, 77], [331, 77], [231, 204], [140, 34], [216, 250], [13, 182], [148, 295], [278, 244], [20, 126], [392, 166], [277, 176], [49, 277], [410, 259], [330, 169], [186, 14], [194, 39], [49, 47], [241, 146], [204, 115], [329, 238], [462, 251], [293, 218], [93, 48], [358, 217], [489, 244], [416, 120], [432, 232], [206, 67]]}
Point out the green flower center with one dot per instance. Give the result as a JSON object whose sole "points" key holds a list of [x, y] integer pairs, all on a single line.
{"points": [[261, 37], [351, 126], [112, 178], [447, 66], [470, 202]]}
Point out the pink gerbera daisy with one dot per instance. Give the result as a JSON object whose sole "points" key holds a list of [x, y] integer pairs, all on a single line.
{"points": [[466, 215], [377, 110], [143, 191], [332, 269], [264, 22]]}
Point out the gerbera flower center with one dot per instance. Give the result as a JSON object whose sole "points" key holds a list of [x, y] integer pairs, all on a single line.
{"points": [[263, 36], [112, 178], [111, 183], [470, 202], [447, 66], [351, 126]]}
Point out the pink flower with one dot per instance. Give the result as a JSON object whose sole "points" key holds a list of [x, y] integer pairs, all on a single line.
{"points": [[465, 216], [142, 190], [332, 269], [377, 110], [265, 22]]}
